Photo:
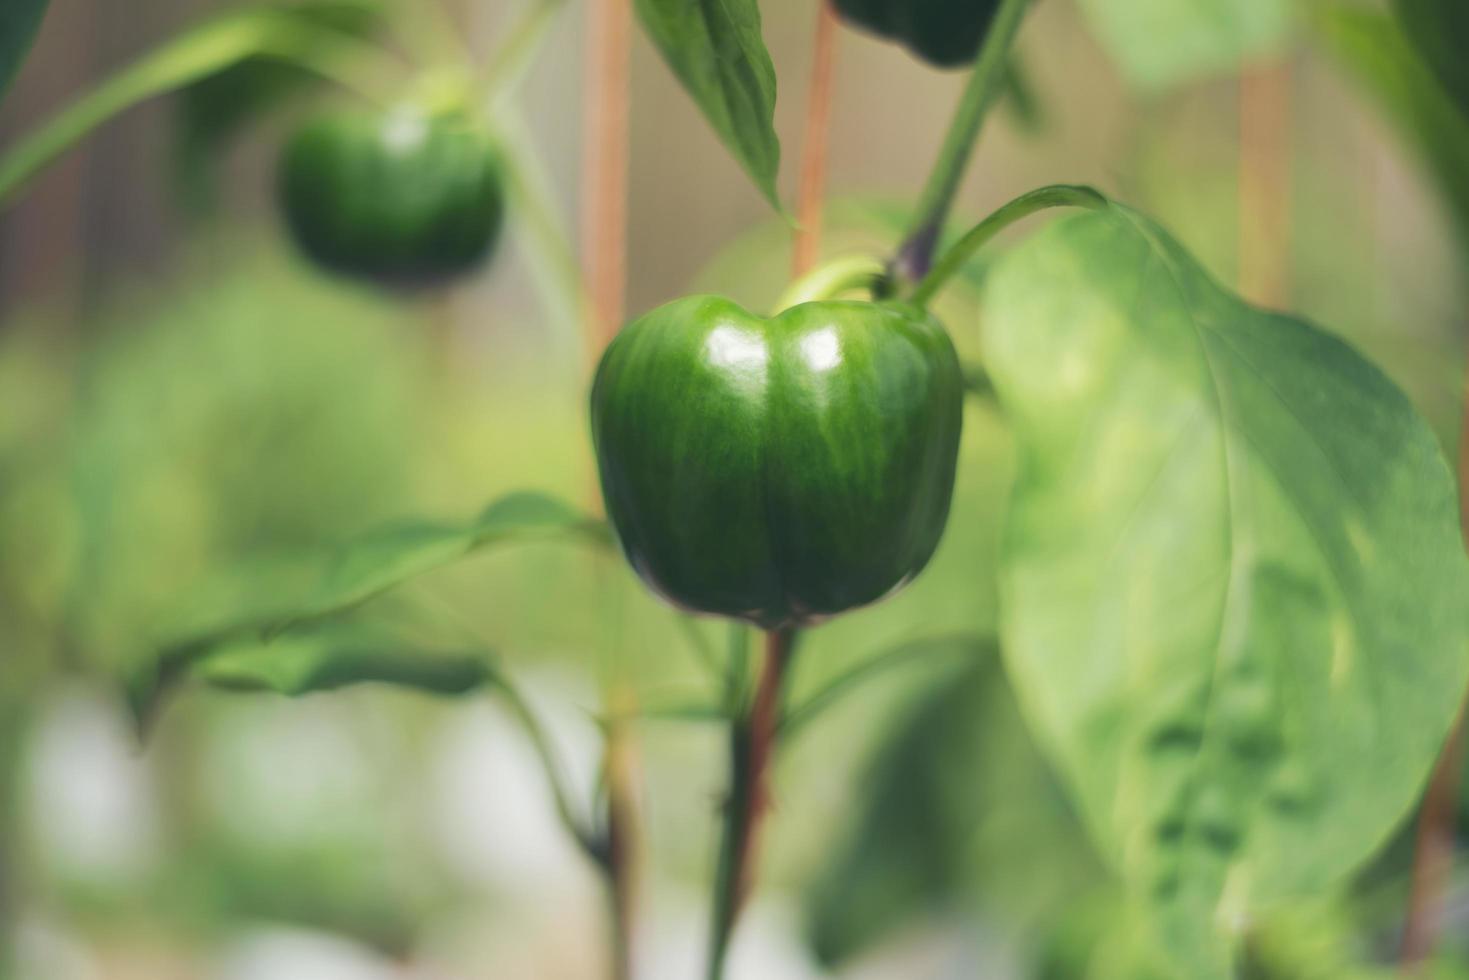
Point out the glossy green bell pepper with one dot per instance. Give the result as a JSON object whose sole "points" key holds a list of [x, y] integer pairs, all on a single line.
{"points": [[947, 33], [400, 196], [778, 470]]}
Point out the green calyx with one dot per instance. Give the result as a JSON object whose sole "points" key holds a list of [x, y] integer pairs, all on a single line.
{"points": [[406, 196], [945, 33], [778, 470]]}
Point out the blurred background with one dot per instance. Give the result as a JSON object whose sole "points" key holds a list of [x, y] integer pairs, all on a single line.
{"points": [[187, 406]]}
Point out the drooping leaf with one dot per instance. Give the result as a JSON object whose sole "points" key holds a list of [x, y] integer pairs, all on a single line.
{"points": [[391, 555], [1233, 588], [901, 856], [335, 656], [362, 570], [1162, 43], [956, 808], [716, 49], [19, 22], [1440, 31], [1374, 49], [212, 111]]}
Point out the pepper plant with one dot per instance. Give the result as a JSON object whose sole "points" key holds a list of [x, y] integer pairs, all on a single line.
{"points": [[1232, 584]]}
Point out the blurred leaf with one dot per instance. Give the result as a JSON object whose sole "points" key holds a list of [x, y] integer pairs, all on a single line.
{"points": [[391, 555], [1440, 30], [1374, 49], [956, 808], [365, 568], [213, 110], [19, 22], [1021, 99], [183, 60], [1315, 941], [336, 656], [687, 710], [902, 856], [1162, 43], [1232, 576], [719, 55], [921, 650]]}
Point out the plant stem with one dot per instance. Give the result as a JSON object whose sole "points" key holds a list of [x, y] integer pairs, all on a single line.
{"points": [[752, 744], [839, 276], [579, 829], [1054, 196], [1433, 851], [604, 265], [1433, 854], [812, 193], [985, 84], [523, 39], [1264, 184], [604, 177], [621, 836], [186, 59], [433, 35], [542, 226]]}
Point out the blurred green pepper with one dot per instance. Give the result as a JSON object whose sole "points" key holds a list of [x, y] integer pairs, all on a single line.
{"points": [[780, 470], [946, 33], [401, 196]]}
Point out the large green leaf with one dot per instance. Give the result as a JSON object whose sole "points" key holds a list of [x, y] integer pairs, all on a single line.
{"points": [[1372, 46], [1440, 30], [716, 49], [1160, 43], [1233, 588], [19, 21]]}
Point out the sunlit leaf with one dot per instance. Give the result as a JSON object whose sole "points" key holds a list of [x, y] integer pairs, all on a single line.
{"points": [[1440, 31], [19, 21], [1232, 584], [1161, 43], [718, 53]]}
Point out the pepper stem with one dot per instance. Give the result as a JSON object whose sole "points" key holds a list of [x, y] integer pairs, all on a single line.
{"points": [[752, 745], [828, 281], [985, 83], [1054, 196]]}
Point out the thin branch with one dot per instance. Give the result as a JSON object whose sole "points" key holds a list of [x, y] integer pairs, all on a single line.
{"points": [[985, 83], [811, 197], [605, 174], [752, 744], [604, 263], [1265, 184]]}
